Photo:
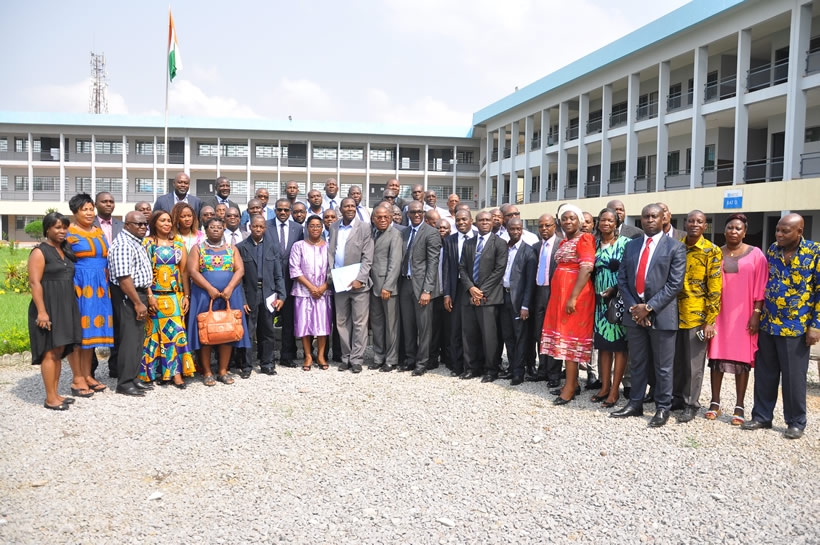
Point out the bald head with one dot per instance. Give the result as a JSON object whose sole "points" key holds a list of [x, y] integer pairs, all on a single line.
{"points": [[789, 231]]}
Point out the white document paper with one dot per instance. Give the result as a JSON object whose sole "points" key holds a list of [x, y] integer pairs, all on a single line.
{"points": [[271, 301], [343, 277]]}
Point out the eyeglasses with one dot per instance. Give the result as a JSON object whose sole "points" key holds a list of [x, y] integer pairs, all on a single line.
{"points": [[415, 211], [512, 214], [283, 209], [231, 215], [138, 223]]}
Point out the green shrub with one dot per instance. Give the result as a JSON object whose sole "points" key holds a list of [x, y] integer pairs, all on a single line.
{"points": [[14, 340], [17, 277], [34, 229]]}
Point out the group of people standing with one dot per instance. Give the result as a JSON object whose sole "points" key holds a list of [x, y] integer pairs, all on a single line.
{"points": [[431, 285]]}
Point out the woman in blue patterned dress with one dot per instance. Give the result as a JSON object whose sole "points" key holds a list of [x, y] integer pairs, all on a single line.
{"points": [[91, 288], [216, 270], [166, 356], [609, 339]]}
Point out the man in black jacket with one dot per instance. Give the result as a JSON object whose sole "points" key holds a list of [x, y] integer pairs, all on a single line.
{"points": [[263, 279], [549, 369], [453, 248]]}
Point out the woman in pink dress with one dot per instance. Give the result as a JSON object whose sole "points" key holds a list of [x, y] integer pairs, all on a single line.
{"points": [[732, 349], [313, 313]]}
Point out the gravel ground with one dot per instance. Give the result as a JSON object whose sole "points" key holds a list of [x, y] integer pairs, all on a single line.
{"points": [[329, 457]]}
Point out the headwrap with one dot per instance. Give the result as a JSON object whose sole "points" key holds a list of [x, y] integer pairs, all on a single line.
{"points": [[570, 208]]}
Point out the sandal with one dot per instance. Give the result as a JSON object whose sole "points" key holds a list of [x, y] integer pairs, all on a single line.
{"points": [[99, 387], [307, 366], [597, 398], [79, 392], [225, 379], [209, 381], [711, 414], [738, 419], [323, 366]]}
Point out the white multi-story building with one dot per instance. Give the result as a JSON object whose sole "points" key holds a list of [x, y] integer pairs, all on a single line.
{"points": [[715, 106]]}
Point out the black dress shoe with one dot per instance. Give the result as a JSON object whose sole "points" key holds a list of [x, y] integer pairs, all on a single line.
{"points": [[505, 375], [431, 365], [130, 391], [660, 418], [420, 370], [557, 391], [406, 367], [791, 433], [355, 368], [535, 378], [627, 410], [467, 375], [386, 368], [516, 381], [489, 378], [246, 373], [455, 374], [689, 414], [553, 383], [756, 425], [595, 385], [267, 370], [287, 363], [374, 366], [143, 385], [344, 366]]}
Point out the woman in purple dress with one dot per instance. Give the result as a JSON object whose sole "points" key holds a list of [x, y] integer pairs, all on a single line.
{"points": [[312, 307]]}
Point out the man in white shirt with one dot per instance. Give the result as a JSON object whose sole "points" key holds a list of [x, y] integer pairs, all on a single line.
{"points": [[453, 247], [449, 213], [508, 212]]}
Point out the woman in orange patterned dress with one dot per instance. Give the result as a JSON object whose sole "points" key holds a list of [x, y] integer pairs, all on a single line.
{"points": [[570, 315], [91, 287]]}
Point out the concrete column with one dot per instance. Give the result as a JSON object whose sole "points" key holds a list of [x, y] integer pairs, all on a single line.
{"points": [[154, 185], [219, 156], [279, 170], [487, 178], [583, 117], [514, 135], [698, 121], [62, 168], [563, 120], [528, 121], [663, 130], [249, 186], [339, 163], [741, 138], [455, 167], [31, 167], [124, 169], [93, 165], [186, 158], [606, 145], [426, 164], [499, 181], [795, 96], [545, 161], [396, 159], [633, 92], [309, 154], [367, 175]]}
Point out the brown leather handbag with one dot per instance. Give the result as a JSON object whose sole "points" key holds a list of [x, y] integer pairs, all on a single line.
{"points": [[221, 326]]}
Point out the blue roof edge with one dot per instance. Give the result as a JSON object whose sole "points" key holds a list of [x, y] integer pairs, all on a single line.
{"points": [[252, 124], [664, 27]]}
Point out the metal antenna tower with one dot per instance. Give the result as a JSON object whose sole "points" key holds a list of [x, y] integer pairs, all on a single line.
{"points": [[98, 97]]}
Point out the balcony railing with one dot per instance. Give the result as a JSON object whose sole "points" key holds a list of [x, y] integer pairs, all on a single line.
{"points": [[507, 152], [674, 102], [712, 176], [813, 61], [616, 119], [405, 163], [552, 138], [535, 143], [767, 75], [572, 132], [677, 179], [616, 186], [718, 90], [647, 111], [763, 170], [594, 125], [810, 164], [483, 162], [645, 183], [494, 155], [203, 160], [593, 189], [467, 167], [440, 165]]}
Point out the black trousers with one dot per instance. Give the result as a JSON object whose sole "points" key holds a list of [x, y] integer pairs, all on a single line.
{"points": [[456, 342], [288, 350], [516, 333], [651, 348], [548, 367], [440, 344], [112, 358], [335, 342], [787, 357], [416, 322], [260, 324], [479, 325], [132, 335]]}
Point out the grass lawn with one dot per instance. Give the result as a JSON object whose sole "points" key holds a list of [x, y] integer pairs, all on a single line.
{"points": [[13, 306]]}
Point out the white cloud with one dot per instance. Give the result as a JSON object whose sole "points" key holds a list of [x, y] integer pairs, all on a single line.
{"points": [[185, 98], [424, 110], [71, 97], [302, 99]]}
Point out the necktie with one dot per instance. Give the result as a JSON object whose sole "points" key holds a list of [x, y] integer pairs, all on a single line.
{"points": [[409, 245], [233, 237], [640, 281], [283, 244], [332, 204], [465, 239], [359, 211], [541, 279], [478, 249]]}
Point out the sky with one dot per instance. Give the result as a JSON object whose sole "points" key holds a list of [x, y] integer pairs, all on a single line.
{"points": [[395, 61]]}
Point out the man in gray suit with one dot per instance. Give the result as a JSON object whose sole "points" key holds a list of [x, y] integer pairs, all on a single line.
{"points": [[418, 287], [182, 183], [481, 271], [626, 230], [222, 194], [384, 300], [649, 279], [351, 243]]}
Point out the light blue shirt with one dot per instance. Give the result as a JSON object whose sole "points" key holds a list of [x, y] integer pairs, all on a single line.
{"points": [[341, 242]]}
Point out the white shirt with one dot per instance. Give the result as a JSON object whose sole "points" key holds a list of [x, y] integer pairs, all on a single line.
{"points": [[512, 251], [177, 199], [451, 219], [277, 224], [226, 236], [341, 242], [327, 201], [527, 236], [462, 238], [546, 246], [363, 213], [655, 240]]}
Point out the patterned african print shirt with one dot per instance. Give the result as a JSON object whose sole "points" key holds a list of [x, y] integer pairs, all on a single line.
{"points": [[793, 291], [699, 300]]}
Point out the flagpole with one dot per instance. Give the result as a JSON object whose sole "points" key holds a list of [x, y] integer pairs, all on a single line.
{"points": [[167, 78]]}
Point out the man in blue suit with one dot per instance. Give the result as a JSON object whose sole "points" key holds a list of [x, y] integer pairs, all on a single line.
{"points": [[182, 183], [650, 277]]}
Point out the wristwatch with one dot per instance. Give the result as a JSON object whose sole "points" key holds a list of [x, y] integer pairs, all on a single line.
{"points": [[649, 309], [426, 291]]}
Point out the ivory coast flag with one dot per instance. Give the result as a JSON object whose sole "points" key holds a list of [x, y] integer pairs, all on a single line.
{"points": [[174, 58]]}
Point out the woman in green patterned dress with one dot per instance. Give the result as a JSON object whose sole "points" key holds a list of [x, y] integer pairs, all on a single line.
{"points": [[610, 339]]}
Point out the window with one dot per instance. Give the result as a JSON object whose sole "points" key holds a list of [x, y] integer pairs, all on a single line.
{"points": [[4, 144], [265, 184], [352, 154], [617, 171], [83, 146], [641, 167], [21, 183], [812, 135], [206, 150], [239, 188], [111, 185], [673, 163], [21, 145], [4, 183], [267, 151], [41, 183], [535, 184], [464, 192], [144, 185], [145, 147], [323, 153], [109, 147], [20, 222], [466, 157], [709, 157], [302, 188], [674, 100], [381, 154], [234, 150], [690, 90]]}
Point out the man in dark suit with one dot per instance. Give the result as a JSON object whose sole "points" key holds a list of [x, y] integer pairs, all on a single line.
{"points": [[481, 271], [384, 301], [263, 278], [518, 282], [284, 234], [626, 230], [549, 369], [453, 248], [351, 243], [418, 286], [182, 184], [440, 345], [223, 191], [649, 279]]}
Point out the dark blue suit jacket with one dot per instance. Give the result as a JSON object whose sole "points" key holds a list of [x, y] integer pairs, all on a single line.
{"points": [[522, 277], [166, 202], [664, 279]]}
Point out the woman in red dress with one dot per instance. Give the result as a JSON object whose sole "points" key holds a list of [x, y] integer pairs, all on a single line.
{"points": [[570, 316]]}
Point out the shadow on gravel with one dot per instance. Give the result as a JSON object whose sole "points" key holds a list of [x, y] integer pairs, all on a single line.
{"points": [[30, 388]]}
